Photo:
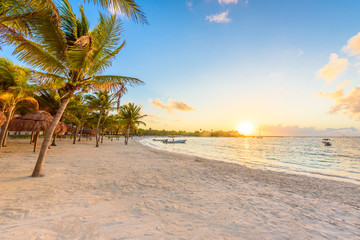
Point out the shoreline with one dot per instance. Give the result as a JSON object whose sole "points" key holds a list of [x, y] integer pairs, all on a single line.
{"points": [[255, 172], [316, 175], [137, 192]]}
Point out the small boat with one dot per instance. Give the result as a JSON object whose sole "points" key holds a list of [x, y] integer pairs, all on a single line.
{"points": [[174, 141], [159, 140], [326, 142]]}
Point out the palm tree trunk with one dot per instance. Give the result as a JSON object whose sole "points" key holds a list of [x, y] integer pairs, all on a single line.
{"points": [[81, 133], [54, 141], [75, 134], [97, 130], [127, 135], [36, 140], [6, 137], [45, 144], [102, 136], [5, 128]]}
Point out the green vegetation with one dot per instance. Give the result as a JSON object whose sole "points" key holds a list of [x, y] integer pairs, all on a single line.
{"points": [[201, 133]]}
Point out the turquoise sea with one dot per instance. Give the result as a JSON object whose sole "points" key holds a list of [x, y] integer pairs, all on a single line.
{"points": [[299, 155]]}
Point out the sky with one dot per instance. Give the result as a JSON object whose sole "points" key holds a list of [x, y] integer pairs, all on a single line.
{"points": [[289, 67]]}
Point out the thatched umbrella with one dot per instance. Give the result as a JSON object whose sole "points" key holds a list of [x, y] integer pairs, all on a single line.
{"points": [[35, 122], [2, 118], [70, 128], [89, 131], [41, 121], [60, 129]]}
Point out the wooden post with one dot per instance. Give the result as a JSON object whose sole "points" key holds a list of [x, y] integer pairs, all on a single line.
{"points": [[32, 137], [36, 141]]}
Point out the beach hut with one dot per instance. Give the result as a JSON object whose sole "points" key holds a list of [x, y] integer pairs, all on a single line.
{"points": [[89, 132], [35, 122], [2, 118], [60, 129]]}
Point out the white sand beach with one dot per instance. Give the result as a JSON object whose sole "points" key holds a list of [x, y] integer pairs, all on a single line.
{"points": [[134, 192]]}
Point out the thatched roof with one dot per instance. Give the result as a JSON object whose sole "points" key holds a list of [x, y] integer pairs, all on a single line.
{"points": [[70, 128], [89, 131], [60, 129], [2, 118], [38, 116], [38, 121]]}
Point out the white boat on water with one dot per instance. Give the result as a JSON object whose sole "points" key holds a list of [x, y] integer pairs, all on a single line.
{"points": [[326, 142]]}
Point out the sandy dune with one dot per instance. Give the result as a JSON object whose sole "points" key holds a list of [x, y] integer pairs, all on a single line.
{"points": [[134, 192]]}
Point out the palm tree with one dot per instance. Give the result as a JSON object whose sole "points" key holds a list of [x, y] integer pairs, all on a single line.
{"points": [[17, 91], [101, 102], [70, 58], [130, 116], [77, 114]]}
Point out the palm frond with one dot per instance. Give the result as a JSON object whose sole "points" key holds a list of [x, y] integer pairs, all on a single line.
{"points": [[48, 80], [83, 24], [30, 101], [68, 22], [77, 57], [106, 37], [49, 35], [112, 83], [33, 53], [127, 7], [105, 61]]}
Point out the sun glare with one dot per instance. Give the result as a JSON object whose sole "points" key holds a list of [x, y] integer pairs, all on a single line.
{"points": [[246, 127]]}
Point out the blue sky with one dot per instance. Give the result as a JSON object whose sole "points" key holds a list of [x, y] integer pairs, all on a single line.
{"points": [[259, 63]]}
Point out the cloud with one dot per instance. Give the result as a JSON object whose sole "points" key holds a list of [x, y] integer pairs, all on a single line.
{"points": [[353, 45], [331, 70], [345, 103], [189, 4], [219, 18], [229, 1], [171, 106], [294, 130]]}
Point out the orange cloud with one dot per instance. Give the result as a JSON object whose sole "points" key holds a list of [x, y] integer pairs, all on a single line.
{"points": [[353, 45], [331, 70], [172, 105], [345, 103]]}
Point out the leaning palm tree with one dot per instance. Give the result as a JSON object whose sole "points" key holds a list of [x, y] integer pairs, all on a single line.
{"points": [[20, 91], [102, 102], [130, 116], [70, 58]]}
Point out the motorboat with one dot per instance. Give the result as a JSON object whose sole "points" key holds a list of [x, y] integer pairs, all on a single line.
{"points": [[326, 142]]}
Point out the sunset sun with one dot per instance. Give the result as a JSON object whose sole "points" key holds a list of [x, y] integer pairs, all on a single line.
{"points": [[246, 127]]}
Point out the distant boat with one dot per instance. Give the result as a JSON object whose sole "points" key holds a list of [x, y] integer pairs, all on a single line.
{"points": [[159, 140], [326, 142], [174, 141]]}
